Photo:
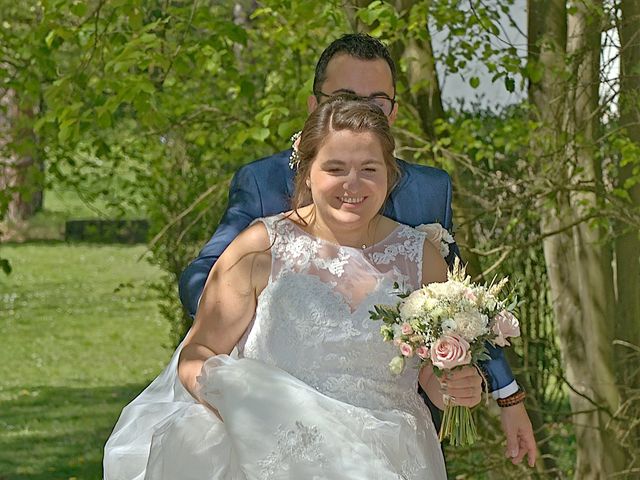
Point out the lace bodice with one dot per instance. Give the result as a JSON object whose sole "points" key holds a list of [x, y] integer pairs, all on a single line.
{"points": [[312, 319], [313, 396]]}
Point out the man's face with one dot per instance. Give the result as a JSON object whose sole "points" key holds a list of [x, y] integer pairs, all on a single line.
{"points": [[365, 78]]}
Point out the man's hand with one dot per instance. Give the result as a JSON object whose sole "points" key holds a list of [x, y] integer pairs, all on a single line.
{"points": [[463, 386], [519, 432]]}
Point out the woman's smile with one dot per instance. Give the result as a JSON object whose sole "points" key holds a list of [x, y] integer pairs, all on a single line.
{"points": [[352, 200]]}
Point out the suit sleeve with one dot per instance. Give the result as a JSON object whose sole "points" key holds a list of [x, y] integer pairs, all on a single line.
{"points": [[244, 206], [499, 376]]}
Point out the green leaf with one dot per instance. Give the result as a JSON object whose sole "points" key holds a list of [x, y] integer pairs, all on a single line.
{"points": [[286, 129], [509, 84], [534, 71], [260, 134], [78, 9], [66, 129], [474, 82], [51, 36]]}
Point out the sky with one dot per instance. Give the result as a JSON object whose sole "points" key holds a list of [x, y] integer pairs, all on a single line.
{"points": [[493, 95]]}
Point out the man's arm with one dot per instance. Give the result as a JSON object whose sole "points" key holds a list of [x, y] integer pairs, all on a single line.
{"points": [[501, 382], [244, 206]]}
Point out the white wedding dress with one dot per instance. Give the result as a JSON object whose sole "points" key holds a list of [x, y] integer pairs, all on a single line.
{"points": [[309, 396]]}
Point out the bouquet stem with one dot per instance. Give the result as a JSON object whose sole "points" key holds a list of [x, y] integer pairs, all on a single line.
{"points": [[458, 426]]}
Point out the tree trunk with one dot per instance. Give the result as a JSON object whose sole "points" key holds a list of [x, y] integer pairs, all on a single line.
{"points": [[593, 250], [578, 260], [547, 37], [21, 171], [627, 243], [18, 176]]}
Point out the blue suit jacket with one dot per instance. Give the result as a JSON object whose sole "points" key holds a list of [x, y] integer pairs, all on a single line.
{"points": [[264, 187]]}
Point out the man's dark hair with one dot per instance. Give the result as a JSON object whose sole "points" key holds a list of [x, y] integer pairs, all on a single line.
{"points": [[358, 45]]}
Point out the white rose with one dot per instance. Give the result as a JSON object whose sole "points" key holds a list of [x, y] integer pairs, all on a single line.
{"points": [[438, 312], [430, 303], [448, 325], [413, 305], [470, 324]]}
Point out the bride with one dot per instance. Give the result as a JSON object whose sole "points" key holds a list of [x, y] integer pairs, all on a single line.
{"points": [[310, 394]]}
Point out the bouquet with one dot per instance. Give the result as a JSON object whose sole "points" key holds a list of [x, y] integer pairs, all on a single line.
{"points": [[447, 325]]}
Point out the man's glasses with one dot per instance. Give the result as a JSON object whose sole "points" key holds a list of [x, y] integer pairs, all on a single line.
{"points": [[385, 103]]}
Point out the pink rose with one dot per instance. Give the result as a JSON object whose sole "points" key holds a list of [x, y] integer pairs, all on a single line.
{"points": [[406, 329], [505, 325], [450, 351], [422, 352], [406, 350]]}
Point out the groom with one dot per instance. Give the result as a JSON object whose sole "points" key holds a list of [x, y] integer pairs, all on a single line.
{"points": [[360, 65]]}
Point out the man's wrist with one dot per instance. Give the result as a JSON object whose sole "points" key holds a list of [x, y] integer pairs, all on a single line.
{"points": [[502, 392], [513, 399], [506, 391]]}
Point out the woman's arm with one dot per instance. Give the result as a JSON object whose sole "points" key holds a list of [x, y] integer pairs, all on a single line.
{"points": [[228, 302]]}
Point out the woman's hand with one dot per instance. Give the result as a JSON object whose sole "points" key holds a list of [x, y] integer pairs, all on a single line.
{"points": [[462, 386]]}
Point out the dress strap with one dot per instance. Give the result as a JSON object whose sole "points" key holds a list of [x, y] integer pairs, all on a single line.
{"points": [[288, 248], [401, 252], [270, 223]]}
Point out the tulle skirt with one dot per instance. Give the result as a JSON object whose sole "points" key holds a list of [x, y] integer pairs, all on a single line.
{"points": [[274, 427]]}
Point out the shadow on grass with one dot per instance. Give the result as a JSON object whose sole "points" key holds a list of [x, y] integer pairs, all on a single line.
{"points": [[35, 241], [51, 433]]}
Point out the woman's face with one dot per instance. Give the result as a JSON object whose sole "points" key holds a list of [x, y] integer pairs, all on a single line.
{"points": [[348, 178]]}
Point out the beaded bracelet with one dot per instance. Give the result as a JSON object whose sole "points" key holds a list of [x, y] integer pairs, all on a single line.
{"points": [[513, 399]]}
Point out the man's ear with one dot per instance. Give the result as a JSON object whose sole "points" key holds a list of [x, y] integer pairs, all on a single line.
{"points": [[393, 114], [312, 103]]}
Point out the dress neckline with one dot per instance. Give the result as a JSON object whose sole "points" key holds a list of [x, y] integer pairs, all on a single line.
{"points": [[337, 245]]}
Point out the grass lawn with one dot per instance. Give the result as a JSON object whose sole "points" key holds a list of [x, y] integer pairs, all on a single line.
{"points": [[80, 337]]}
